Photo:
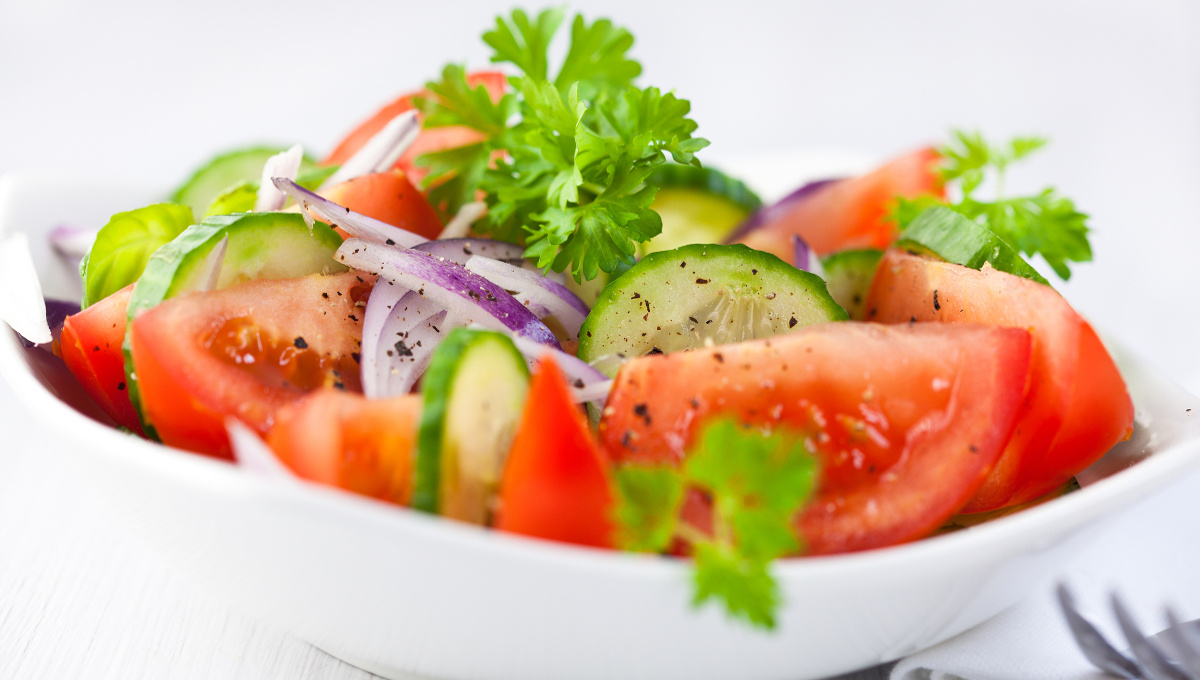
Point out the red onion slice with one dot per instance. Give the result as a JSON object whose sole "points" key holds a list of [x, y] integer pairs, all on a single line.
{"points": [[253, 454], [801, 254], [356, 224], [534, 291], [764, 216], [72, 243], [460, 225], [22, 305], [459, 250], [464, 295], [286, 165], [380, 152], [400, 333]]}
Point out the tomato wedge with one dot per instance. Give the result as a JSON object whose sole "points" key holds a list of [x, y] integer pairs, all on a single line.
{"points": [[906, 420], [432, 139], [850, 213], [1076, 405], [555, 483], [348, 441], [388, 197], [91, 348], [245, 351]]}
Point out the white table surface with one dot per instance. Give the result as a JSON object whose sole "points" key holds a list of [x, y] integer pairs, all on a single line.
{"points": [[143, 90]]}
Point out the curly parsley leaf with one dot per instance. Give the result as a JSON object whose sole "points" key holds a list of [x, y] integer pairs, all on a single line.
{"points": [[1046, 223], [525, 43], [757, 483], [597, 59]]}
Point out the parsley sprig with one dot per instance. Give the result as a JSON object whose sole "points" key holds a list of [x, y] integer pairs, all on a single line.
{"points": [[1045, 223], [564, 160], [756, 483]]}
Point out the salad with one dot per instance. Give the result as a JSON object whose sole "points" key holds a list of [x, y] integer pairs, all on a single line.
{"points": [[518, 299]]}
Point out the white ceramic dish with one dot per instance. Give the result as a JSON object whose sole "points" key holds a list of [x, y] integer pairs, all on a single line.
{"points": [[402, 594]]}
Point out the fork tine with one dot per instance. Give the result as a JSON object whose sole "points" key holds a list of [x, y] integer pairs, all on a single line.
{"points": [[1092, 643], [1186, 640], [1154, 663]]}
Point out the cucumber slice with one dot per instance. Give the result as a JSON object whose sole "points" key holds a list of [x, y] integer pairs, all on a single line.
{"points": [[848, 276], [241, 197], [701, 294], [223, 172], [697, 205], [955, 238], [474, 393], [266, 245]]}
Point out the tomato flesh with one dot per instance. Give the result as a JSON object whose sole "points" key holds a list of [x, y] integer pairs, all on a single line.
{"points": [[1076, 405], [245, 351], [91, 348], [351, 442], [555, 482], [388, 197], [906, 420], [430, 140], [850, 213]]}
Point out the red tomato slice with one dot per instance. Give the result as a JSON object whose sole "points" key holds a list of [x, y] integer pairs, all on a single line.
{"points": [[555, 483], [907, 420], [1076, 405], [433, 139], [245, 351], [388, 197], [91, 348], [850, 213], [348, 441]]}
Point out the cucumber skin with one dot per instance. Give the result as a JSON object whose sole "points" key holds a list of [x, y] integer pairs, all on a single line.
{"points": [[437, 386], [960, 240], [158, 281], [710, 180], [607, 305]]}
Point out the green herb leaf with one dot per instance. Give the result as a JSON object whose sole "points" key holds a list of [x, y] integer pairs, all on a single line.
{"points": [[523, 43], [124, 245], [596, 59], [1046, 224], [757, 483]]}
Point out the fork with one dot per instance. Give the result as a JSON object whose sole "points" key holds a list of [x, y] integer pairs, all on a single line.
{"points": [[1173, 654]]}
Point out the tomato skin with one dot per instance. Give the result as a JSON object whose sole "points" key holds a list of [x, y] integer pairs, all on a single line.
{"points": [[91, 348], [188, 381], [556, 484], [850, 213], [1076, 405], [432, 139], [351, 442], [388, 197], [906, 420]]}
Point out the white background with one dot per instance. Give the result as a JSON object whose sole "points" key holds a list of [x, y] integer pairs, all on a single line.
{"points": [[144, 91]]}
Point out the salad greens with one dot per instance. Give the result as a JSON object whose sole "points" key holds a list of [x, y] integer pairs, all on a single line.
{"points": [[124, 246], [1045, 223], [756, 482], [570, 171]]}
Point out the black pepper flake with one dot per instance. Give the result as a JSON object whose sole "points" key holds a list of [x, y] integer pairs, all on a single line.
{"points": [[402, 349], [792, 322], [390, 242], [589, 334], [473, 295], [655, 350], [339, 292], [578, 384], [491, 298], [753, 272], [96, 348], [354, 317], [719, 357], [360, 279], [121, 387], [871, 468], [936, 306], [701, 280], [625, 438], [973, 448], [357, 357], [683, 264], [642, 411], [635, 296], [912, 319], [435, 329], [325, 295], [695, 403], [339, 385], [693, 319], [389, 352], [300, 343], [708, 322], [467, 250]]}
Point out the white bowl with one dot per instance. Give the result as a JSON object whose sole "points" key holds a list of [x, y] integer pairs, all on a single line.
{"points": [[399, 593]]}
